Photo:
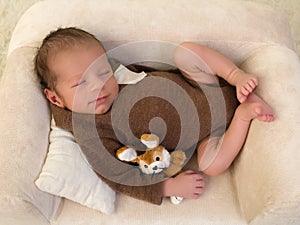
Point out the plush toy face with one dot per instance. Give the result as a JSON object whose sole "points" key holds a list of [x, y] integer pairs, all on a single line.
{"points": [[154, 160]]}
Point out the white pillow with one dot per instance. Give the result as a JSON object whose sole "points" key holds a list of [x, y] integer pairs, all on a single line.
{"points": [[67, 173]]}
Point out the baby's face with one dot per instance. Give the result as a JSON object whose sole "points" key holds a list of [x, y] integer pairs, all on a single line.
{"points": [[85, 81]]}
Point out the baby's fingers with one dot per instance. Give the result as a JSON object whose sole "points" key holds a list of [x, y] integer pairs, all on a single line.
{"points": [[246, 90], [253, 82]]}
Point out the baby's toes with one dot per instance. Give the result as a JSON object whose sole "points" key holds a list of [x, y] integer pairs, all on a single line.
{"points": [[270, 118], [262, 117]]}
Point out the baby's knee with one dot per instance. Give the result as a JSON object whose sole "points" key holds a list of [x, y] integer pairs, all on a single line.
{"points": [[182, 54], [217, 167], [213, 171], [209, 160]]}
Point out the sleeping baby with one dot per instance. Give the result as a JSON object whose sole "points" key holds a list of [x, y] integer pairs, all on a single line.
{"points": [[189, 109]]}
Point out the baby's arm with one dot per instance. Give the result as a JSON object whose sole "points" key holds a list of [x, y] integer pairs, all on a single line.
{"points": [[191, 53]]}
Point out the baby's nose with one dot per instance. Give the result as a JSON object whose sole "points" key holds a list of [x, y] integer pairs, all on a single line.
{"points": [[96, 84]]}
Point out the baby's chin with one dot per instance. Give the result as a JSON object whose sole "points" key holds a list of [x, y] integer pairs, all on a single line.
{"points": [[98, 111], [92, 109], [101, 110]]}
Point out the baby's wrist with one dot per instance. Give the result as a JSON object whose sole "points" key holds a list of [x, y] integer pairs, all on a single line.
{"points": [[235, 75]]}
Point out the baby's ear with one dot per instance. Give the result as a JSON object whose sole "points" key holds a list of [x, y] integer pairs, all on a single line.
{"points": [[127, 154], [54, 98]]}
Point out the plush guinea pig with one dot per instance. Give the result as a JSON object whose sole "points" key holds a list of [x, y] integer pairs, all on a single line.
{"points": [[155, 159]]}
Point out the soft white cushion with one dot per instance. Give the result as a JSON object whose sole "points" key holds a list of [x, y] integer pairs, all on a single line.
{"points": [[67, 173], [24, 130], [238, 29], [267, 172], [16, 211], [119, 22], [217, 206]]}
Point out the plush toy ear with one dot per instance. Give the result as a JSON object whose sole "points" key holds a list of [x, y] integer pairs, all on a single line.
{"points": [[127, 154], [150, 140]]}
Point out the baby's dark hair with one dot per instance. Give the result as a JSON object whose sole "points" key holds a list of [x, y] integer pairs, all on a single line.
{"points": [[54, 42]]}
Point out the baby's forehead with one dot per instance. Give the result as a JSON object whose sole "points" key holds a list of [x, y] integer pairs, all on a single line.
{"points": [[80, 59], [78, 46], [68, 46]]}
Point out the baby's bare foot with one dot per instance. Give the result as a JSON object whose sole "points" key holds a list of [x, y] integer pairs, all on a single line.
{"points": [[245, 84], [255, 108], [187, 184]]}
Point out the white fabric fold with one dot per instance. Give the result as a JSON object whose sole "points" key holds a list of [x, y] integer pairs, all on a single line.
{"points": [[126, 76]]}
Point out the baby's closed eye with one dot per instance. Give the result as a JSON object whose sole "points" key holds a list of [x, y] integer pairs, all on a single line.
{"points": [[106, 72], [79, 83]]}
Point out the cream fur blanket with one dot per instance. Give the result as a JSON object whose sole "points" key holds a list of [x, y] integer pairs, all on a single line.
{"points": [[263, 185], [12, 10]]}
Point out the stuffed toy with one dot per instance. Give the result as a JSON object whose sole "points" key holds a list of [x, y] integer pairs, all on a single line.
{"points": [[155, 159]]}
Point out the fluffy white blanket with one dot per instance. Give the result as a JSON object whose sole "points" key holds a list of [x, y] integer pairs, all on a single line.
{"points": [[263, 185], [12, 10]]}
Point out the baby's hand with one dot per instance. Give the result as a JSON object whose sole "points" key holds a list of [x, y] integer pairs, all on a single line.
{"points": [[245, 84], [187, 184]]}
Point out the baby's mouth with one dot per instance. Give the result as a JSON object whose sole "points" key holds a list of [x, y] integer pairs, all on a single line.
{"points": [[99, 100]]}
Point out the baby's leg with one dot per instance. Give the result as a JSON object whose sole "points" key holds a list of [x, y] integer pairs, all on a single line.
{"points": [[187, 184], [215, 155]]}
